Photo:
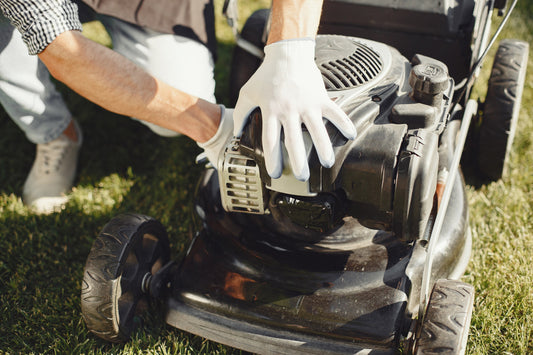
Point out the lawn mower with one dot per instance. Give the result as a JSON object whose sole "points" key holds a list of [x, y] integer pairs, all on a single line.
{"points": [[365, 257]]}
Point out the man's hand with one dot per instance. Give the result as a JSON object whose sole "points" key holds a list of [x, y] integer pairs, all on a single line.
{"points": [[289, 90]]}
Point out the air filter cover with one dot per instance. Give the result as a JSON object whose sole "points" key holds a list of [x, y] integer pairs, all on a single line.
{"points": [[347, 62]]}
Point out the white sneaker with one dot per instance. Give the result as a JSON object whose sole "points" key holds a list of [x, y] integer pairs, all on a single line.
{"points": [[52, 174]]}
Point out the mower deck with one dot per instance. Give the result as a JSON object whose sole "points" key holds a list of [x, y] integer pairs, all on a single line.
{"points": [[356, 290]]}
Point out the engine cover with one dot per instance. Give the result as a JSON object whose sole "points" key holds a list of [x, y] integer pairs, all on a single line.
{"points": [[386, 177]]}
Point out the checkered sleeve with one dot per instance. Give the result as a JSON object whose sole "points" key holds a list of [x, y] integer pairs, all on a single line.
{"points": [[40, 22]]}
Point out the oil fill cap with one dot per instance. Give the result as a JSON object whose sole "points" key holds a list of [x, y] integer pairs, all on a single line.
{"points": [[429, 81], [429, 78]]}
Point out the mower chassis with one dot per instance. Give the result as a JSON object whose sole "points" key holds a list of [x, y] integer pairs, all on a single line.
{"points": [[237, 287]]}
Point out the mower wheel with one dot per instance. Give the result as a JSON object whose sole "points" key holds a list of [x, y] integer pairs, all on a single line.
{"points": [[115, 289], [244, 63], [501, 108], [444, 329]]}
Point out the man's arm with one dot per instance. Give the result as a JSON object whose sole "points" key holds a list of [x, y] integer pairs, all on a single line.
{"points": [[294, 19], [111, 81], [51, 29]]}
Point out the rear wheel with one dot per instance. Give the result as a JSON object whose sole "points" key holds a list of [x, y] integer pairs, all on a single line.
{"points": [[446, 323], [130, 249], [501, 108]]}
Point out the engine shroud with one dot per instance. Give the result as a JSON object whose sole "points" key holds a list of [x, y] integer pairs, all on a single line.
{"points": [[386, 178]]}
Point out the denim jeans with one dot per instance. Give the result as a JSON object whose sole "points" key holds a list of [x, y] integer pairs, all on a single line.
{"points": [[30, 98], [26, 92]]}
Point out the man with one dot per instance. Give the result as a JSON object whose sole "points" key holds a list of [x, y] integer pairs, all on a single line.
{"points": [[287, 87], [184, 59]]}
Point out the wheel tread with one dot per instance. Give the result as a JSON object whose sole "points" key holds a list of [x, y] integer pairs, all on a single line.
{"points": [[501, 107], [445, 326], [99, 299]]}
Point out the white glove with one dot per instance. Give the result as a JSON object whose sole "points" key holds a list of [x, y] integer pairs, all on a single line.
{"points": [[214, 147], [289, 90]]}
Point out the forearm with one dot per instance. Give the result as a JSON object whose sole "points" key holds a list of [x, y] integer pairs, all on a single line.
{"points": [[294, 19], [111, 81]]}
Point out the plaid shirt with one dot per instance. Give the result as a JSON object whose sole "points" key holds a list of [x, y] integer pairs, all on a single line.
{"points": [[41, 21]]}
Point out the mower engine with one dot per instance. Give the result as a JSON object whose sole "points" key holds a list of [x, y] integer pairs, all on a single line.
{"points": [[386, 178]]}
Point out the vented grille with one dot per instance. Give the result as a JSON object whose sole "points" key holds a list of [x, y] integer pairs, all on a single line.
{"points": [[242, 189], [354, 70]]}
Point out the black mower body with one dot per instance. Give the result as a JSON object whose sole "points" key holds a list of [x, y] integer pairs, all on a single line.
{"points": [[337, 267], [364, 257]]}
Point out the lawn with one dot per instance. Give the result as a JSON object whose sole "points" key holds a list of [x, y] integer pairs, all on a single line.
{"points": [[124, 167]]}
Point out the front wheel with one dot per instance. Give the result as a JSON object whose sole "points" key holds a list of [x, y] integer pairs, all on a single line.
{"points": [[444, 329], [116, 281]]}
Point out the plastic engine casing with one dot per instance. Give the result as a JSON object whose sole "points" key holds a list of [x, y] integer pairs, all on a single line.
{"points": [[386, 177]]}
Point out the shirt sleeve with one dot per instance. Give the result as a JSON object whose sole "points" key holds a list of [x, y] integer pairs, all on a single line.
{"points": [[40, 22]]}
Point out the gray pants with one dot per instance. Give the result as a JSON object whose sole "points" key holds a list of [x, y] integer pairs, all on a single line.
{"points": [[32, 101]]}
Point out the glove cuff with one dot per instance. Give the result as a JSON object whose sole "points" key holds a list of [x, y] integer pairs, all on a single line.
{"points": [[216, 144], [302, 46]]}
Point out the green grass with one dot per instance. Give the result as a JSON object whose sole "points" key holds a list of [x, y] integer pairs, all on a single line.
{"points": [[124, 167]]}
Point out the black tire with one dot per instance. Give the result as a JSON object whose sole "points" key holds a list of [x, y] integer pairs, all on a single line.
{"points": [[501, 108], [243, 63], [446, 323], [127, 249]]}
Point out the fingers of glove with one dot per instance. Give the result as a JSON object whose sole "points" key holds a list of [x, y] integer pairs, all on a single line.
{"points": [[271, 138], [338, 117], [294, 143], [319, 135]]}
